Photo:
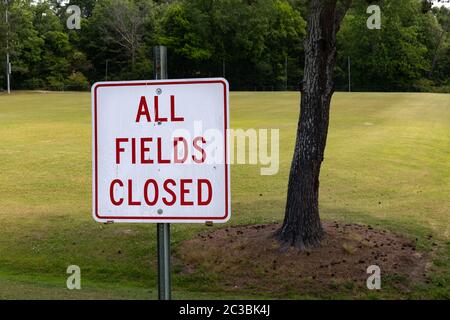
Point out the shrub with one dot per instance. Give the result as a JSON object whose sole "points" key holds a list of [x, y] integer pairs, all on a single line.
{"points": [[77, 81]]}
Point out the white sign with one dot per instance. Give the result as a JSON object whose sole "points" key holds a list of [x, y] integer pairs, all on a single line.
{"points": [[160, 151]]}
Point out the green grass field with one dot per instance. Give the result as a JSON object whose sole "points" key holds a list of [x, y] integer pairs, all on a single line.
{"points": [[387, 164]]}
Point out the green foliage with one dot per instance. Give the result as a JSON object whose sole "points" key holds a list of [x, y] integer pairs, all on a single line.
{"points": [[77, 81], [393, 57], [255, 44], [246, 41], [120, 32]]}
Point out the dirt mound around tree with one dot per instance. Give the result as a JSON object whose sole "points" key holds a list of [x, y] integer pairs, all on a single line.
{"points": [[249, 258]]}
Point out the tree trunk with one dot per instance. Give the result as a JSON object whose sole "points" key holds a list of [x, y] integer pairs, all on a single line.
{"points": [[302, 227]]}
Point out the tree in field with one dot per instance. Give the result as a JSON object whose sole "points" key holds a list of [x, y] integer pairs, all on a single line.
{"points": [[302, 227]]}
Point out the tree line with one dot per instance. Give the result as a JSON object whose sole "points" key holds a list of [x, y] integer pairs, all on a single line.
{"points": [[255, 44]]}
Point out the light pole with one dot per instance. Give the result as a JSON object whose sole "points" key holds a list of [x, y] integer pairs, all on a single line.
{"points": [[285, 72], [349, 63], [8, 64], [106, 70]]}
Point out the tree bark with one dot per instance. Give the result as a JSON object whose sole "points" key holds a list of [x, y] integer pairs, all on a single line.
{"points": [[301, 227]]}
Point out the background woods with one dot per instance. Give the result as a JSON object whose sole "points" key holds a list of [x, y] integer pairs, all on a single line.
{"points": [[256, 45]]}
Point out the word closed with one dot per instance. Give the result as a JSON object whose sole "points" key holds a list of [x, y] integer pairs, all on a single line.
{"points": [[150, 162]]}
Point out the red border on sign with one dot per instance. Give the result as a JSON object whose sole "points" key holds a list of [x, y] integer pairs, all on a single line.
{"points": [[118, 84]]}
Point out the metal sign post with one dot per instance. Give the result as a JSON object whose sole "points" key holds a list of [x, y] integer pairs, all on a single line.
{"points": [[164, 285], [160, 62], [163, 229]]}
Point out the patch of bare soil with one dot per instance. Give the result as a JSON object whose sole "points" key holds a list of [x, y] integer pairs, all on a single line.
{"points": [[249, 258]]}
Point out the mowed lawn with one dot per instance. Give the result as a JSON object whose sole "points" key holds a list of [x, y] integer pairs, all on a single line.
{"points": [[387, 164]]}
